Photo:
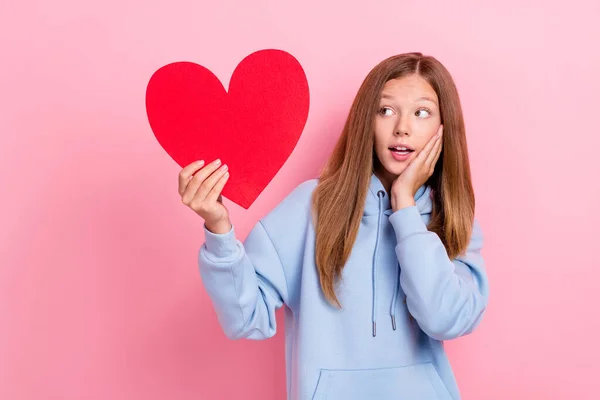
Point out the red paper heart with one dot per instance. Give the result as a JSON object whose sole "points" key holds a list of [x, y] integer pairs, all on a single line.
{"points": [[253, 128]]}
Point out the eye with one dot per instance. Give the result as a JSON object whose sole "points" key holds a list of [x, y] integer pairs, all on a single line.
{"points": [[423, 110], [385, 111]]}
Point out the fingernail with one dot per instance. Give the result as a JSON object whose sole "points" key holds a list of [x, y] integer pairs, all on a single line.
{"points": [[225, 167], [217, 162], [200, 162]]}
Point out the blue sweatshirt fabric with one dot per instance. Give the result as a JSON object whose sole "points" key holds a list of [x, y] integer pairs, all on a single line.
{"points": [[401, 298]]}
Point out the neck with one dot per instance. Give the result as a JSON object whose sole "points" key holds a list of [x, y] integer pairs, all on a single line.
{"points": [[386, 179]]}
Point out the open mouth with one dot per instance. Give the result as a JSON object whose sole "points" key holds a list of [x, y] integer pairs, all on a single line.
{"points": [[401, 150]]}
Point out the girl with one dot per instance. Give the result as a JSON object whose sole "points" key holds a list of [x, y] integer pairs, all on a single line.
{"points": [[378, 261]]}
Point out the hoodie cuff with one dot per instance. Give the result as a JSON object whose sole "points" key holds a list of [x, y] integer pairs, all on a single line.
{"points": [[221, 244], [407, 221]]}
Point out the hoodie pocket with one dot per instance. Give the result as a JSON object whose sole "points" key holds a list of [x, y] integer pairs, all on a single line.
{"points": [[419, 381]]}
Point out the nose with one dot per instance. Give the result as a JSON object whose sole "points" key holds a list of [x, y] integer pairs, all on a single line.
{"points": [[402, 127]]}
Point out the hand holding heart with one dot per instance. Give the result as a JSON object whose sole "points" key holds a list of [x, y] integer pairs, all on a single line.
{"points": [[201, 191], [417, 173]]}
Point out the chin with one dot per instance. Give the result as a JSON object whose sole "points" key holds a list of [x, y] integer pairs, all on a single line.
{"points": [[396, 169]]}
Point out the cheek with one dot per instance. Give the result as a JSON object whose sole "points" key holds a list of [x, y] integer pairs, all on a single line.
{"points": [[380, 136], [425, 134]]}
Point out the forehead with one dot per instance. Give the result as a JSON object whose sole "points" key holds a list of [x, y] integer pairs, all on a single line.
{"points": [[409, 88]]}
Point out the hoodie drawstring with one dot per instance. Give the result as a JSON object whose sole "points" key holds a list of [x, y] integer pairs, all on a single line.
{"points": [[380, 195], [393, 308]]}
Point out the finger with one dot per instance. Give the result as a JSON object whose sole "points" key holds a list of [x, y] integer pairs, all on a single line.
{"points": [[440, 148], [215, 193], [439, 152], [435, 160], [197, 180], [435, 152], [208, 184], [187, 172], [426, 151]]}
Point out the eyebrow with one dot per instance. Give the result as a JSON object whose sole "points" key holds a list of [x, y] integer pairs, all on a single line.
{"points": [[427, 99], [387, 96]]}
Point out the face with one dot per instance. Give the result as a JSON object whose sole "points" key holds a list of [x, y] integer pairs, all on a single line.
{"points": [[408, 116]]}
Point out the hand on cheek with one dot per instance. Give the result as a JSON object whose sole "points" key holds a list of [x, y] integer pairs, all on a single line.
{"points": [[416, 173]]}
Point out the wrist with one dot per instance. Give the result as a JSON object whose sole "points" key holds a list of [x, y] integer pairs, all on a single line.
{"points": [[219, 227], [403, 200]]}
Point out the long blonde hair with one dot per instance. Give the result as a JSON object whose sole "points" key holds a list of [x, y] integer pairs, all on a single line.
{"points": [[339, 198]]}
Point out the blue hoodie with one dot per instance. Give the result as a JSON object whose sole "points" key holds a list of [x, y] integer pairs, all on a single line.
{"points": [[401, 298]]}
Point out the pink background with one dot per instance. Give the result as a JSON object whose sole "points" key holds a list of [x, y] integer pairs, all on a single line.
{"points": [[100, 297]]}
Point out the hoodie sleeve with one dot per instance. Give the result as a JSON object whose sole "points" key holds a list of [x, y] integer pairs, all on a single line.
{"points": [[245, 282], [446, 297]]}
